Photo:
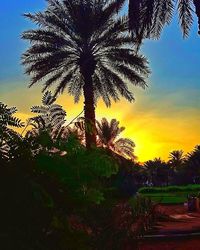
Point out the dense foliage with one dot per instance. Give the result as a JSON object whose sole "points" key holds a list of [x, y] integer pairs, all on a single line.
{"points": [[8, 138], [59, 195]]}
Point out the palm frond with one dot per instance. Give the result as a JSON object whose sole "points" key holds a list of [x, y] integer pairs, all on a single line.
{"points": [[108, 133], [185, 16], [74, 35], [50, 116], [7, 118]]}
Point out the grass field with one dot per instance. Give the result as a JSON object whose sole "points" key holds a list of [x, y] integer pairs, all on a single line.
{"points": [[167, 198], [173, 197]]}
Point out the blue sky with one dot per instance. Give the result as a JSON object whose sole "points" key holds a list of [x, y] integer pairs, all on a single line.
{"points": [[174, 85], [174, 61], [12, 24]]}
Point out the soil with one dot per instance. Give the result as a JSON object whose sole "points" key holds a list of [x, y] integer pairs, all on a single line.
{"points": [[175, 229], [177, 244]]}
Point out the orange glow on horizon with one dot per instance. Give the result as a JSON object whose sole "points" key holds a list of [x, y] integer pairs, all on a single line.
{"points": [[155, 132]]}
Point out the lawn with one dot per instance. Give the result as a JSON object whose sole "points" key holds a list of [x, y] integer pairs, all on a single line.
{"points": [[171, 194], [167, 198]]}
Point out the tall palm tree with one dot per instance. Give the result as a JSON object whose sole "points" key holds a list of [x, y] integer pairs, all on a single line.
{"points": [[148, 17], [83, 46], [108, 133], [176, 159]]}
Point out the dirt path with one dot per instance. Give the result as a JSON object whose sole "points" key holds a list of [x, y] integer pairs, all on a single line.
{"points": [[179, 222], [178, 244]]}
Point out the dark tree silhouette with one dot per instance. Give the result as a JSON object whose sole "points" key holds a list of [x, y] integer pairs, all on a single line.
{"points": [[108, 137], [176, 159], [83, 46], [192, 165], [157, 171]]}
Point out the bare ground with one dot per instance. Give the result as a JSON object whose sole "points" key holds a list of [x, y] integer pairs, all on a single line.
{"points": [[180, 223]]}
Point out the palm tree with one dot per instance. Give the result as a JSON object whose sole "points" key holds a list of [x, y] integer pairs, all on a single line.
{"points": [[108, 133], [157, 171], [193, 163], [83, 46], [176, 159], [148, 17]]}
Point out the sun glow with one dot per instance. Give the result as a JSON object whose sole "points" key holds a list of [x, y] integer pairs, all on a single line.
{"points": [[155, 131]]}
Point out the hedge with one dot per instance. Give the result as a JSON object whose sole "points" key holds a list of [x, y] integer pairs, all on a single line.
{"points": [[168, 189]]}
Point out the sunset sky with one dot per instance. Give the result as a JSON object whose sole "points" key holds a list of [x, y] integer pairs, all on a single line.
{"points": [[164, 117]]}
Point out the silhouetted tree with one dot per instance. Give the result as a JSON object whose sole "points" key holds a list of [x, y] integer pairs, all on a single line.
{"points": [[157, 171], [83, 46], [108, 134], [193, 165], [176, 159], [176, 164]]}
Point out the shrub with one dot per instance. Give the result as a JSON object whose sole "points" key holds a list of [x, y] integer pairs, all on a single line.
{"points": [[187, 188]]}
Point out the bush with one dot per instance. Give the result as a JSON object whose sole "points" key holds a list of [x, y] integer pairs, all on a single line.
{"points": [[169, 189]]}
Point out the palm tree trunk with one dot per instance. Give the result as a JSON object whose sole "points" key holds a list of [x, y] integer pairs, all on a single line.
{"points": [[134, 14], [89, 112]]}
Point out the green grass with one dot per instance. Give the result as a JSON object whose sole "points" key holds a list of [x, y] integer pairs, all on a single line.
{"points": [[167, 198], [170, 189], [171, 194]]}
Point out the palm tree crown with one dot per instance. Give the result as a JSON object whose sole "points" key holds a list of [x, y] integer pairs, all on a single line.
{"points": [[193, 163], [108, 133], [194, 156], [82, 46], [158, 172], [176, 159]]}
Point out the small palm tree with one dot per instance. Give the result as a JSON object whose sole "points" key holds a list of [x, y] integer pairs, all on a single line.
{"points": [[82, 46], [148, 17], [108, 133], [176, 159]]}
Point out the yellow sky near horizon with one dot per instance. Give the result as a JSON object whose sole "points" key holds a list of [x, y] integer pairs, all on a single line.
{"points": [[156, 126]]}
